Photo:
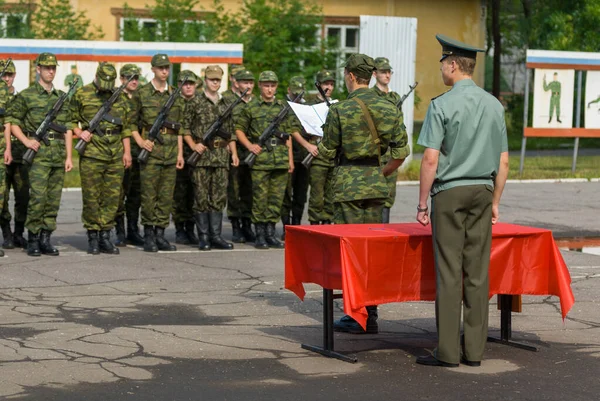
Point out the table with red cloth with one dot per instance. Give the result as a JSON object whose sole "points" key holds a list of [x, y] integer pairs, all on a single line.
{"points": [[375, 264]]}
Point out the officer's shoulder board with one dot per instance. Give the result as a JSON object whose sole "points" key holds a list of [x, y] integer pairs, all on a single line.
{"points": [[440, 95]]}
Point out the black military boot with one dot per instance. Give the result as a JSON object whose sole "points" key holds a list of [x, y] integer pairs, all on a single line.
{"points": [[7, 235], [348, 325], [285, 220], [202, 225], [161, 241], [189, 230], [105, 245], [270, 237], [296, 221], [45, 245], [236, 230], [326, 222], [385, 215], [149, 241], [247, 230], [120, 230], [216, 225], [180, 234], [33, 245], [93, 245], [133, 233], [260, 241], [18, 239]]}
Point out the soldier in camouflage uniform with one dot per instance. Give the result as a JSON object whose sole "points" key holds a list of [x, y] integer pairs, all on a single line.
{"points": [[357, 131], [271, 169], [47, 173], [130, 199], [210, 176], [239, 190], [233, 92], [383, 75], [158, 175], [102, 165], [17, 177], [183, 197], [5, 149]]}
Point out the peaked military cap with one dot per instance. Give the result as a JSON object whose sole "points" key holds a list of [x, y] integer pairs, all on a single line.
{"points": [[11, 67], [382, 64], [160, 60], [188, 75], [268, 76], [324, 76], [360, 65], [297, 84], [129, 69], [106, 74], [46, 59], [213, 72], [244, 75], [452, 47]]}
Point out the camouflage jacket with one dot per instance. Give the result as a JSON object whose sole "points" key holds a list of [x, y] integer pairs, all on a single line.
{"points": [[135, 149], [321, 160], [393, 97], [229, 96], [147, 105], [17, 147], [200, 114], [252, 121], [237, 111], [298, 151], [346, 134], [4, 102], [85, 103], [187, 152]]}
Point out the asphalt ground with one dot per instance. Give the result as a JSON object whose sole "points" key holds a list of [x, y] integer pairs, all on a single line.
{"points": [[219, 325]]}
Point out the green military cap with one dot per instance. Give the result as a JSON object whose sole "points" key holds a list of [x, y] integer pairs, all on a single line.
{"points": [[129, 69], [73, 66], [324, 76], [160, 60], [244, 75], [235, 68], [11, 67], [297, 84], [213, 72], [451, 47], [360, 65], [46, 59], [268, 76], [106, 74], [188, 75], [382, 64]]}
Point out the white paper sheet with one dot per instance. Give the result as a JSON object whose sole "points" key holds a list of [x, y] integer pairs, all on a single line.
{"points": [[312, 117]]}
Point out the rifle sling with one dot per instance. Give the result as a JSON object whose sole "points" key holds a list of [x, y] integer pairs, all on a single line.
{"points": [[371, 124], [113, 120]]}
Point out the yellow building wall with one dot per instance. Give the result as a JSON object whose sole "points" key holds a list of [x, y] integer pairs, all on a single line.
{"points": [[463, 20]]}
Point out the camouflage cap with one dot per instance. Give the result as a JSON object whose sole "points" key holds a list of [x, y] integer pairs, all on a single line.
{"points": [[11, 67], [188, 75], [235, 68], [360, 65], [324, 76], [297, 84], [244, 75], [382, 64], [213, 72], [46, 59], [268, 76], [160, 60], [106, 74], [129, 69], [452, 47]]}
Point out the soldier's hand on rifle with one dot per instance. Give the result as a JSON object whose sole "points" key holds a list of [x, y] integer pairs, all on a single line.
{"points": [[254, 148], [127, 159], [33, 144], [180, 162], [148, 145], [235, 161], [86, 135], [68, 164], [199, 148], [7, 157], [312, 149]]}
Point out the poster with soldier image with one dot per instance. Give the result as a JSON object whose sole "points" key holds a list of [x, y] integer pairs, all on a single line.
{"points": [[553, 98], [592, 100]]}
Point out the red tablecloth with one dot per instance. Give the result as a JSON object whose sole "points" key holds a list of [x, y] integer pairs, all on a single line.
{"points": [[375, 264]]}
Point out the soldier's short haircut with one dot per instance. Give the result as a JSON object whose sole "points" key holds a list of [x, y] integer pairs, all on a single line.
{"points": [[465, 64], [360, 80]]}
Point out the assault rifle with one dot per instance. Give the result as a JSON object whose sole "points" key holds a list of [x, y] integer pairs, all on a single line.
{"points": [[102, 114], [41, 134], [270, 131], [215, 129], [309, 157], [403, 98], [154, 132]]}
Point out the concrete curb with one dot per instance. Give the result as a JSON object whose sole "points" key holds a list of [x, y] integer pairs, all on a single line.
{"points": [[541, 181]]}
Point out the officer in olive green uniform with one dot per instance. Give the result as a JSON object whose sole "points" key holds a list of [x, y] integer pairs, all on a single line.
{"points": [[271, 168], [6, 151], [72, 76], [554, 88], [47, 173], [382, 75], [183, 197], [158, 175], [17, 177], [106, 156], [465, 180], [358, 131], [297, 187], [239, 190], [210, 176], [130, 199]]}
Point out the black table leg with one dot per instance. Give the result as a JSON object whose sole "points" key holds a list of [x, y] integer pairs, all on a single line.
{"points": [[506, 325], [327, 348]]}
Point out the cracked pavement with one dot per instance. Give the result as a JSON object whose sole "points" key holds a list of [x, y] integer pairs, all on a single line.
{"points": [[219, 325]]}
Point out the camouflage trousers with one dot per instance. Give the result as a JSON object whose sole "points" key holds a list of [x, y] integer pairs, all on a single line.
{"points": [[158, 184], [45, 190], [210, 189], [101, 183], [17, 177], [320, 203], [183, 197], [268, 190], [3, 193], [391, 180], [363, 211], [296, 192], [239, 192], [130, 199]]}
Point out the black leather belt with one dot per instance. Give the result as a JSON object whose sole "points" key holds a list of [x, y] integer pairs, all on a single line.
{"points": [[274, 141], [363, 161], [109, 131]]}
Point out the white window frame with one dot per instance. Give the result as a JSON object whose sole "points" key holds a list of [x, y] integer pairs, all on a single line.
{"points": [[343, 49], [4, 20]]}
